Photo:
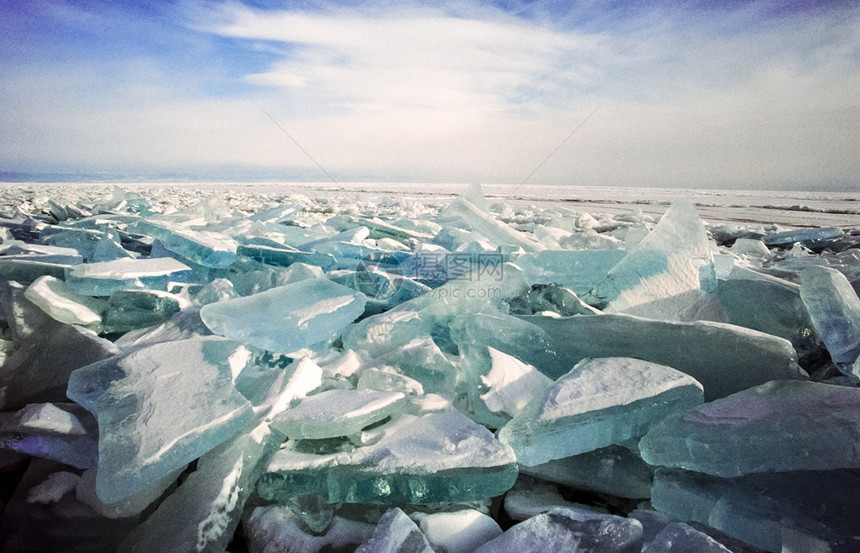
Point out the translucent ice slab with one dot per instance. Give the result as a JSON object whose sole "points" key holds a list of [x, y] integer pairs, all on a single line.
{"points": [[106, 277], [435, 457], [779, 426], [723, 358], [159, 408], [834, 308], [286, 318], [600, 402], [60, 302], [206, 248]]}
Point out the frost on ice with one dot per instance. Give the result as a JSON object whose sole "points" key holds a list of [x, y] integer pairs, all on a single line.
{"points": [[458, 376]]}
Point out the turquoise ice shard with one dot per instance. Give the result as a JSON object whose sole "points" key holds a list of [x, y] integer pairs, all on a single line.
{"points": [[614, 470], [106, 277], [55, 298], [570, 531], [336, 413], [807, 237], [834, 308], [159, 408], [578, 270], [460, 531], [206, 248], [783, 425], [131, 309], [600, 402], [666, 275], [39, 369], [778, 308], [395, 532], [809, 511], [441, 456], [284, 256], [62, 432], [724, 358], [287, 318], [678, 537]]}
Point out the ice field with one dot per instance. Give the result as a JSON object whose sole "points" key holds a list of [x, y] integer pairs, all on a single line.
{"points": [[428, 368]]}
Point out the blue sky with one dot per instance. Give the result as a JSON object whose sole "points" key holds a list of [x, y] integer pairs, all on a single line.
{"points": [[686, 93]]}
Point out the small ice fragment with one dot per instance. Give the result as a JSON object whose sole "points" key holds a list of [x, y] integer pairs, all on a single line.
{"points": [[784, 425], [396, 532], [107, 277], [337, 413], [530, 497], [64, 432], [570, 531], [458, 531], [158, 408], [53, 488], [598, 403], [276, 529], [750, 246], [50, 418], [678, 537], [512, 384], [389, 381], [834, 308], [287, 318]]}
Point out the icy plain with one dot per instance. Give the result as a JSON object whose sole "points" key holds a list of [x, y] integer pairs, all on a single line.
{"points": [[372, 367]]}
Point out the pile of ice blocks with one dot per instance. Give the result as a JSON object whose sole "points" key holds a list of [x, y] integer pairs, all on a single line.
{"points": [[314, 375]]}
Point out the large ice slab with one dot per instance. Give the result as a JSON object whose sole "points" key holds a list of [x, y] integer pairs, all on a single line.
{"points": [[418, 459], [579, 270], [336, 413], [39, 369], [809, 511], [206, 248], [600, 402], [106, 277], [55, 298], [834, 308], [486, 224], [159, 408], [570, 531], [665, 276], [779, 426], [286, 318], [723, 358]]}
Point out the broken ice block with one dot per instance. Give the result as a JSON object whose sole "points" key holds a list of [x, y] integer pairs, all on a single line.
{"points": [[435, 457], [530, 497], [396, 532], [131, 309], [511, 384], [778, 308], [107, 277], [458, 531], [276, 529], [779, 426], [752, 247], [14, 249], [22, 316], [56, 299], [159, 408], [284, 256], [569, 531], [486, 224], [542, 298], [286, 318], [807, 237], [678, 537], [723, 358], [132, 505], [39, 369], [206, 248], [614, 470], [63, 432], [578, 270], [336, 413], [834, 308], [600, 402], [26, 271], [666, 275], [809, 511]]}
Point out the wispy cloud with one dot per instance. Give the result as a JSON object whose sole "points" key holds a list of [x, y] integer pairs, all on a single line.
{"points": [[466, 91]]}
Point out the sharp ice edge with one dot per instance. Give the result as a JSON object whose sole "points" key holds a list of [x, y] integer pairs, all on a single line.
{"points": [[325, 306]]}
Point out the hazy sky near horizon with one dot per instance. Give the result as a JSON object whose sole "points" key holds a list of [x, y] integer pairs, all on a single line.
{"points": [[737, 93]]}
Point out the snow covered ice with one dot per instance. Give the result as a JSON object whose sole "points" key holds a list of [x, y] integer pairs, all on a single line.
{"points": [[269, 371]]}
